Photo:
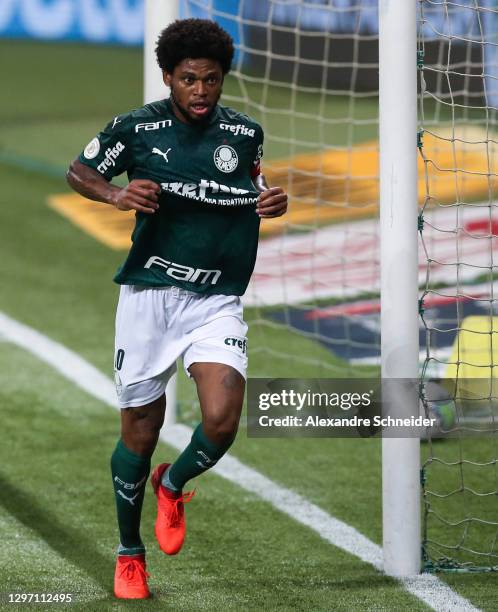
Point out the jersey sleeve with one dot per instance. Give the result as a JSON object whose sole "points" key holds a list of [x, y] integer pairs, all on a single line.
{"points": [[258, 154], [109, 152]]}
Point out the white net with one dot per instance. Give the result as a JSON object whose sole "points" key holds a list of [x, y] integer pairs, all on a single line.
{"points": [[307, 71], [459, 238]]}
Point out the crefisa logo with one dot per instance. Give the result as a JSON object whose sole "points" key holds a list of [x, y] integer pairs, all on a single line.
{"points": [[226, 158]]}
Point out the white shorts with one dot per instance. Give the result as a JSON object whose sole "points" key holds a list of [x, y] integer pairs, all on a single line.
{"points": [[155, 326]]}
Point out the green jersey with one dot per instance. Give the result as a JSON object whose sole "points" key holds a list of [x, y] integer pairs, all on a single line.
{"points": [[204, 235]]}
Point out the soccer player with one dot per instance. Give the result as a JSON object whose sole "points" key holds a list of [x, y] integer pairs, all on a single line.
{"points": [[196, 185]]}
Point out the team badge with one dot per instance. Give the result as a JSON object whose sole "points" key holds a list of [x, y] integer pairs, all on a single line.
{"points": [[226, 158], [92, 149]]}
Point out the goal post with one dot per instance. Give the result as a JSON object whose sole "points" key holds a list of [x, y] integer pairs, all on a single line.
{"points": [[158, 14], [399, 277]]}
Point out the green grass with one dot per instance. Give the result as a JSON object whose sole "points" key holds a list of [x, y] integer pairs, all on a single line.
{"points": [[56, 517]]}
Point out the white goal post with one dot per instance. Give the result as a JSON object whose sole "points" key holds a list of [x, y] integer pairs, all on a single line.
{"points": [[158, 14], [399, 275]]}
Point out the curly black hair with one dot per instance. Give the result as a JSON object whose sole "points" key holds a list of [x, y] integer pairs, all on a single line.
{"points": [[194, 38]]}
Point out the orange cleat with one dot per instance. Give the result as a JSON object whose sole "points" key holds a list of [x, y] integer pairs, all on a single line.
{"points": [[130, 578], [170, 521]]}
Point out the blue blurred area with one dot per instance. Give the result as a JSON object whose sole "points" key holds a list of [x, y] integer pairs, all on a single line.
{"points": [[97, 21], [121, 21], [100, 21]]}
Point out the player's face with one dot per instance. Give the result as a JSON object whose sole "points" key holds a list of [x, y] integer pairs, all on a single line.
{"points": [[195, 88]]}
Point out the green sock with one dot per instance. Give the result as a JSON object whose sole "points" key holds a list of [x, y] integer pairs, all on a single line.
{"points": [[129, 477], [200, 455]]}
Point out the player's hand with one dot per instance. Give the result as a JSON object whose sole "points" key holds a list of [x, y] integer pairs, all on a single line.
{"points": [[272, 203], [139, 194]]}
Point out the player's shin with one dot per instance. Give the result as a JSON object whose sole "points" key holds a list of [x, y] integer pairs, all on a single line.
{"points": [[200, 455], [129, 476]]}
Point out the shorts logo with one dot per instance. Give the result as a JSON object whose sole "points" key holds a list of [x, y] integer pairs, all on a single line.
{"points": [[226, 159], [92, 149], [119, 359], [240, 343]]}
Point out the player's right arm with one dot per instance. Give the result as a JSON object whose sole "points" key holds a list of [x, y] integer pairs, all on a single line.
{"points": [[139, 194], [108, 155]]}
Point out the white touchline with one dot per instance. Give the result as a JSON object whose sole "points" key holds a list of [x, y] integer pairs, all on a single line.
{"points": [[426, 587]]}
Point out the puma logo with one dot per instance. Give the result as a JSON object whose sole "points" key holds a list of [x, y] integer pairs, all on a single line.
{"points": [[130, 499], [205, 458], [157, 151]]}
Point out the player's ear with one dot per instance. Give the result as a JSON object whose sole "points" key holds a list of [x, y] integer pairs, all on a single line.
{"points": [[167, 78]]}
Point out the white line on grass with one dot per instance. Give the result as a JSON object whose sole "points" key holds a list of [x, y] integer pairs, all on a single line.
{"points": [[428, 588]]}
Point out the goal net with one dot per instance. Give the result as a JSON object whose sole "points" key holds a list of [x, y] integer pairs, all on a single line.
{"points": [[307, 71], [458, 68]]}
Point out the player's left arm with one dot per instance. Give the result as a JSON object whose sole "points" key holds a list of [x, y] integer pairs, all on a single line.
{"points": [[272, 201]]}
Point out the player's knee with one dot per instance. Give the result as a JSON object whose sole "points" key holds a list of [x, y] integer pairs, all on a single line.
{"points": [[142, 441], [141, 433], [221, 429]]}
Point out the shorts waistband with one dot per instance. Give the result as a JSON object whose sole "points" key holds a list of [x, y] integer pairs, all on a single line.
{"points": [[173, 290], [179, 292]]}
